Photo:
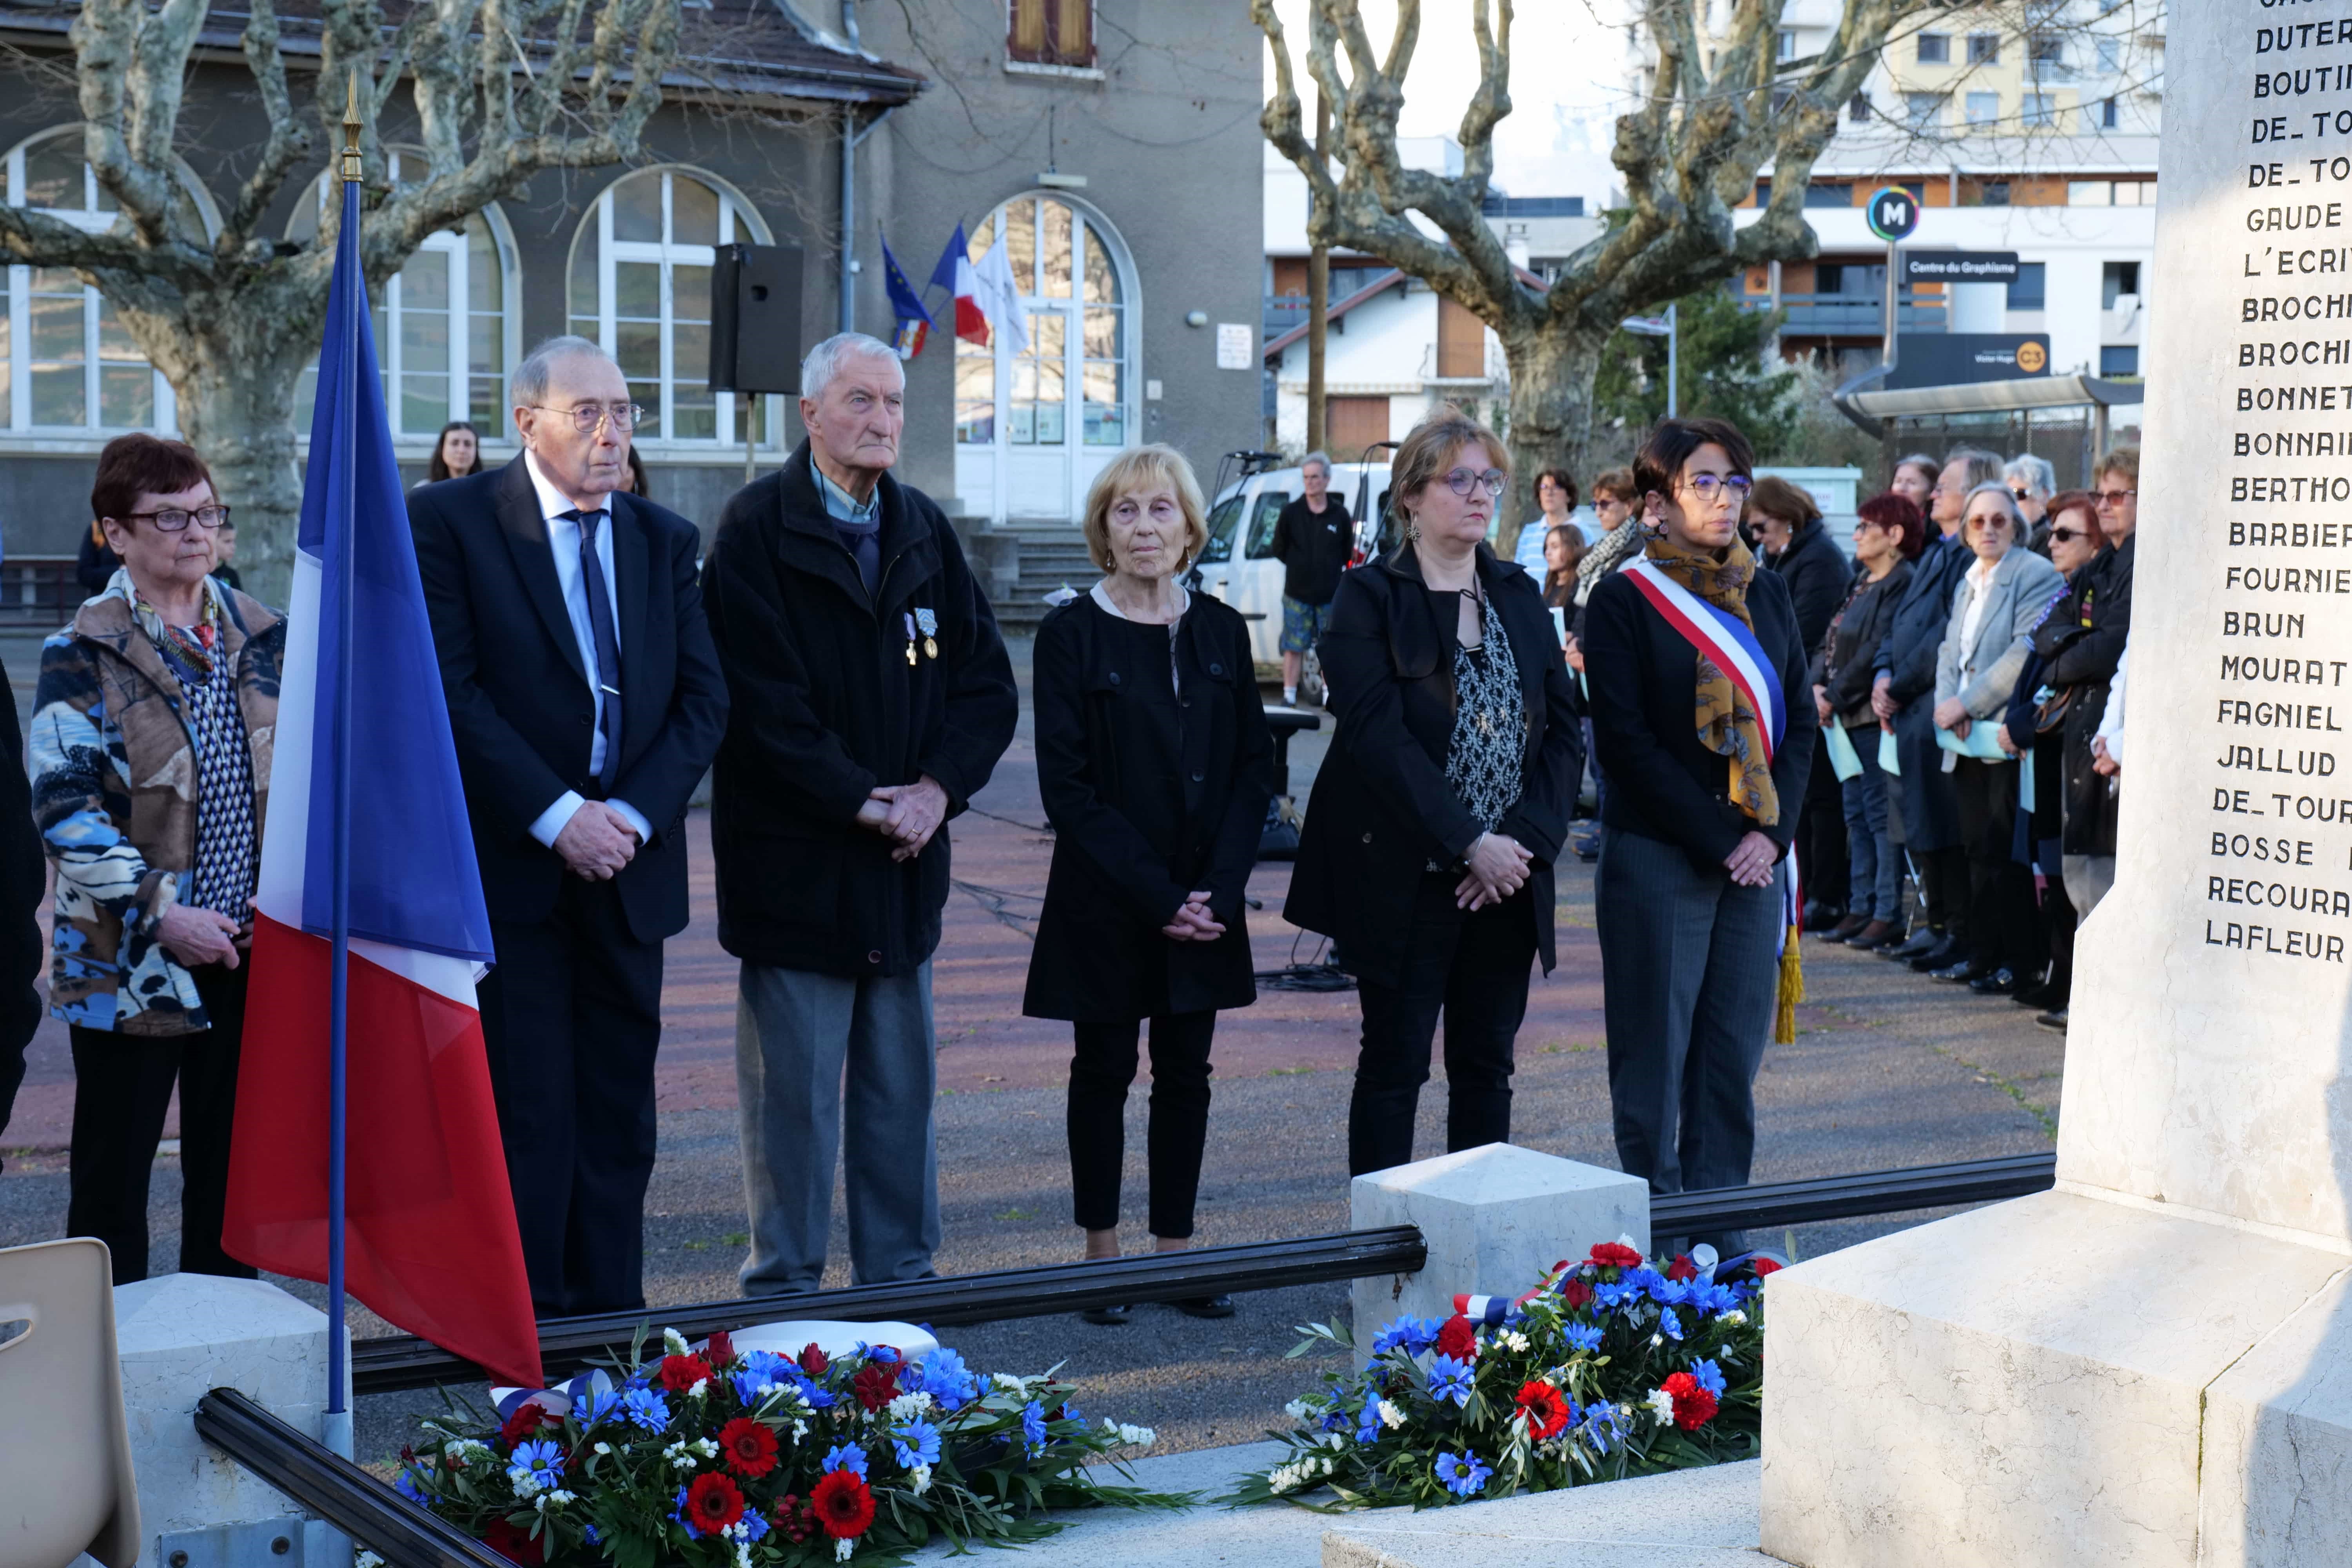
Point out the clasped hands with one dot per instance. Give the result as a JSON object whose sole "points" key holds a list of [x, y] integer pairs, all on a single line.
{"points": [[906, 814], [1498, 866], [196, 937], [596, 843], [1193, 923]]}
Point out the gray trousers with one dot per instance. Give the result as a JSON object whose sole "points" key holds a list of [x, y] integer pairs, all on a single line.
{"points": [[798, 1034], [1690, 969], [2088, 878]]}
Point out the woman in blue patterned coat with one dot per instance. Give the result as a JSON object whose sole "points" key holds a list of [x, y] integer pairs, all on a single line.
{"points": [[150, 752]]}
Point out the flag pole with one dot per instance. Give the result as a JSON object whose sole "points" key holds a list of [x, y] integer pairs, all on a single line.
{"points": [[338, 1424]]}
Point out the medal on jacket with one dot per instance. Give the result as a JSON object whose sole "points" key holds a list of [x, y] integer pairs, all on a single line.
{"points": [[910, 641], [930, 623]]}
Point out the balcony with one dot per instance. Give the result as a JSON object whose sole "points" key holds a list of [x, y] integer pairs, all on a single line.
{"points": [[1848, 315], [1282, 311]]}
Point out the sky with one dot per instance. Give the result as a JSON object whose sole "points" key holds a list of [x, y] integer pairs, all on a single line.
{"points": [[1566, 86]]}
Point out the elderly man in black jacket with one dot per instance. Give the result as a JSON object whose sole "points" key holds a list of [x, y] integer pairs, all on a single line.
{"points": [[872, 698]]}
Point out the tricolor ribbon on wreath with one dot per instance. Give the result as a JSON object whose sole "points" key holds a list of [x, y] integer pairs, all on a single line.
{"points": [[1726, 642]]}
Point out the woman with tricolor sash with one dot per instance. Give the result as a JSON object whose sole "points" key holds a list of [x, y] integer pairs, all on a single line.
{"points": [[1704, 723]]}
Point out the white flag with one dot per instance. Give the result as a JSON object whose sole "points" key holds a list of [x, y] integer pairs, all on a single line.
{"points": [[1000, 300]]}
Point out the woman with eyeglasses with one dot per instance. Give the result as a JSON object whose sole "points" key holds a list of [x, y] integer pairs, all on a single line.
{"points": [[2001, 598], [2032, 481], [1704, 716], [1427, 853], [150, 788], [2054, 713], [2090, 846]]}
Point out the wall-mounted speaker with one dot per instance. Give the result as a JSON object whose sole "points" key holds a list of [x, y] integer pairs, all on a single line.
{"points": [[755, 319]]}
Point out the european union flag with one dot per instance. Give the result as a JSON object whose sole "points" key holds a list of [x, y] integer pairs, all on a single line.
{"points": [[907, 306]]}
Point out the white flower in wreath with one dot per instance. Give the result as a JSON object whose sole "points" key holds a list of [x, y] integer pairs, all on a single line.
{"points": [[906, 1407], [366, 1559], [1390, 1417], [841, 1550], [1515, 1340], [1136, 1437], [1733, 1318], [1661, 1404], [922, 1480], [1009, 1384], [701, 1386], [1298, 1410], [673, 1341]]}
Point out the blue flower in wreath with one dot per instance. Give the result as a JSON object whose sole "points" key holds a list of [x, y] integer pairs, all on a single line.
{"points": [[1670, 1325], [1707, 1375], [944, 1376], [1450, 1379], [1581, 1336], [1334, 1420], [917, 1442], [604, 1404], [1710, 1297], [1368, 1424], [1463, 1474], [405, 1485], [1612, 1294], [540, 1463], [750, 1527], [819, 1397], [1032, 1425], [1601, 1427], [882, 1355], [647, 1407], [846, 1456], [683, 1520]]}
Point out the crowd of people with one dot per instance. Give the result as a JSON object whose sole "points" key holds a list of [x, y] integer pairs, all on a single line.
{"points": [[1747, 700]]}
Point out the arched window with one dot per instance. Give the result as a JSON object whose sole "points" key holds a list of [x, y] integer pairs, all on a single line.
{"points": [[445, 330], [66, 361], [1032, 428], [640, 285]]}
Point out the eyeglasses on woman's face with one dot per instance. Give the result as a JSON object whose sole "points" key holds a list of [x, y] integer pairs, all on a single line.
{"points": [[2020, 492], [1707, 487], [172, 520], [2068, 535], [1462, 481], [2116, 498]]}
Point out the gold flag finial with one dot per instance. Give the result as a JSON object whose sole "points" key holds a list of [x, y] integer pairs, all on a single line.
{"points": [[353, 166]]}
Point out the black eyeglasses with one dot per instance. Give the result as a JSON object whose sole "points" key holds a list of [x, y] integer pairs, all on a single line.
{"points": [[588, 417], [2068, 535], [2021, 495], [172, 520]]}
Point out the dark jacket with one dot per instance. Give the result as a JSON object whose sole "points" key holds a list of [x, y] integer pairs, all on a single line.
{"points": [[520, 709], [1843, 666], [1313, 548], [94, 567], [2080, 645], [23, 876], [1662, 784], [1817, 575], [1155, 790], [1914, 636], [1381, 809], [827, 708]]}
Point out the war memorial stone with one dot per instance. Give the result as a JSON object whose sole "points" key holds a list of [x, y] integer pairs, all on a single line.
{"points": [[2152, 1363]]}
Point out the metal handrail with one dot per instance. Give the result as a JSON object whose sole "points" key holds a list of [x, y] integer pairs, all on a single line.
{"points": [[1845, 1197], [337, 1490]]}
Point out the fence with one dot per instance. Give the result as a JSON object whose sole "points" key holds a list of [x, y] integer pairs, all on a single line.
{"points": [[38, 592]]}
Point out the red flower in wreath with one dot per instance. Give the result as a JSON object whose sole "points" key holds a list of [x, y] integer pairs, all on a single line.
{"points": [[526, 1420], [1763, 1266], [1575, 1292], [1682, 1267], [812, 1360], [843, 1505], [1458, 1338], [681, 1373], [513, 1543], [1615, 1255], [877, 1384], [1544, 1406], [1694, 1405], [749, 1447], [713, 1503], [720, 1350]]}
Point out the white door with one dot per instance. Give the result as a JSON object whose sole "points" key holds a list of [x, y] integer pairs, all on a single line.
{"points": [[1032, 428]]}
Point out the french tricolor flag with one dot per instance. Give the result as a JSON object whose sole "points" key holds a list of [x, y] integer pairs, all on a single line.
{"points": [[367, 841]]}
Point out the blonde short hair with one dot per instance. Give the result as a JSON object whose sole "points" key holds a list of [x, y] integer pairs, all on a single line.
{"points": [[1433, 443], [1143, 468]]}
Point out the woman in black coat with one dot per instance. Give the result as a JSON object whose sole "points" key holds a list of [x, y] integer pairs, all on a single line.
{"points": [[1428, 849], [1889, 532], [1694, 937], [1797, 546], [1155, 764]]}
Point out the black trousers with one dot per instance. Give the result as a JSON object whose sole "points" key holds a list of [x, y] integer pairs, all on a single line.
{"points": [[2002, 927], [571, 1017], [1944, 889], [122, 1086], [1474, 969], [1821, 837], [1100, 1072]]}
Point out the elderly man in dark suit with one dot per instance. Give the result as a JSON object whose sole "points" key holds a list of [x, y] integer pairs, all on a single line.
{"points": [[586, 702]]}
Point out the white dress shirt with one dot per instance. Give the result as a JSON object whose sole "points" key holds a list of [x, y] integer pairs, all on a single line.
{"points": [[1979, 585], [563, 540]]}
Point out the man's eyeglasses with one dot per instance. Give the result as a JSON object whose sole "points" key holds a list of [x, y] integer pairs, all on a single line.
{"points": [[587, 417], [172, 520], [2116, 498], [1707, 487], [1462, 481]]}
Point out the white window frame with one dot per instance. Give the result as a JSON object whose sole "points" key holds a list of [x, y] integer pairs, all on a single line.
{"points": [[20, 430], [738, 222]]}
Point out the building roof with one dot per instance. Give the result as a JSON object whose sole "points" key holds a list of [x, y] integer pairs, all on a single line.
{"points": [[738, 47], [1391, 279]]}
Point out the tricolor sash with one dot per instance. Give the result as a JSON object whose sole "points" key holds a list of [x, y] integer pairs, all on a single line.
{"points": [[1723, 640]]}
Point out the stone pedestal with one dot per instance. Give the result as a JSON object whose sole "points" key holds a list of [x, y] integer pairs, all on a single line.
{"points": [[1495, 1218], [183, 1335], [2149, 1365]]}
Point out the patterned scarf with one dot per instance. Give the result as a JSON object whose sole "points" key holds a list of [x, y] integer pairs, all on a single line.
{"points": [[1727, 725], [1615, 548], [191, 648]]}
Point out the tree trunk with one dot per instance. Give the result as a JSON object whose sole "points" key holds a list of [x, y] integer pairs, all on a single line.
{"points": [[1551, 408], [236, 408]]}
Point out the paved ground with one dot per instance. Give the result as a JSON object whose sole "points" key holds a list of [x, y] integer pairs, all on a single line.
{"points": [[1888, 1070]]}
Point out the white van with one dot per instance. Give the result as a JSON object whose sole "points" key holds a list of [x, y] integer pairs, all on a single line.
{"points": [[1236, 566]]}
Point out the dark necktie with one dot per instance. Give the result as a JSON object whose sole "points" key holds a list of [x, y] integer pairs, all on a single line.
{"points": [[608, 647]]}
